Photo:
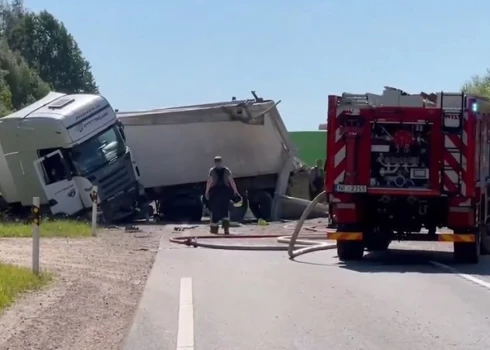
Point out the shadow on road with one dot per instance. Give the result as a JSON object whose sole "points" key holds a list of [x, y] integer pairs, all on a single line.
{"points": [[407, 261], [418, 261]]}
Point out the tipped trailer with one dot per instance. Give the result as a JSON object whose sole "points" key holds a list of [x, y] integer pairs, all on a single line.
{"points": [[401, 166], [175, 147]]}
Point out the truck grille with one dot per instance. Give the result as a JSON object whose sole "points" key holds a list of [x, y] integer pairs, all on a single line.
{"points": [[114, 179]]}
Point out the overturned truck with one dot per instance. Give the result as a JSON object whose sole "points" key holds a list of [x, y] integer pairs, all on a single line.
{"points": [[174, 149], [58, 148]]}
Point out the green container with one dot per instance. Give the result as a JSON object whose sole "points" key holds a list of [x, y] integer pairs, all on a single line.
{"points": [[310, 145]]}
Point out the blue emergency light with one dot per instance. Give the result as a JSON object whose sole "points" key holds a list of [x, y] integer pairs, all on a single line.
{"points": [[474, 107]]}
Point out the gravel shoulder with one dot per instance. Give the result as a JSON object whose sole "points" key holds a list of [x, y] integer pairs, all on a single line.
{"points": [[90, 305]]}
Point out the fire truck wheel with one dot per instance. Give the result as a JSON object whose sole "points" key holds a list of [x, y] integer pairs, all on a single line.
{"points": [[350, 250], [467, 253], [485, 241]]}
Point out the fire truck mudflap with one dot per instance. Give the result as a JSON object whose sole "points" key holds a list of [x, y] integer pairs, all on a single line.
{"points": [[400, 167]]}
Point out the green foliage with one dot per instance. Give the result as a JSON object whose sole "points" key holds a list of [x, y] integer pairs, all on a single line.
{"points": [[37, 54], [5, 95], [478, 85], [22, 83], [46, 45]]}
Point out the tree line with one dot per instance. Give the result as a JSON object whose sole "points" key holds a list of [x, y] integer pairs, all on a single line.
{"points": [[37, 54]]}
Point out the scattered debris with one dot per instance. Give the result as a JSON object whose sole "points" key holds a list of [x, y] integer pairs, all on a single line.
{"points": [[184, 227], [131, 229]]}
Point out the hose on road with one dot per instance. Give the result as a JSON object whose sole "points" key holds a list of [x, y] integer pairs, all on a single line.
{"points": [[292, 252], [296, 246]]}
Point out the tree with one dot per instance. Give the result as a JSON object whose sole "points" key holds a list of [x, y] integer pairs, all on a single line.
{"points": [[47, 46], [19, 84], [37, 53], [478, 85], [10, 14], [5, 95]]}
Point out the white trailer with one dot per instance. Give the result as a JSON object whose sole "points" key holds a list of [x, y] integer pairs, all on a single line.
{"points": [[57, 148], [175, 148]]}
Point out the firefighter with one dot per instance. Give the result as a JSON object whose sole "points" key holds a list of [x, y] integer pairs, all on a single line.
{"points": [[220, 190], [317, 179]]}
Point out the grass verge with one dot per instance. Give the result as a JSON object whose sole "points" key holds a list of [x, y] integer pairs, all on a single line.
{"points": [[48, 228], [16, 280]]}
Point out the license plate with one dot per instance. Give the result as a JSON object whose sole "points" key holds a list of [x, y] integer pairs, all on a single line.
{"points": [[351, 188]]}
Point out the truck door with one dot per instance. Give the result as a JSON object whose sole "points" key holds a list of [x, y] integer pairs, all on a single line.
{"points": [[58, 184]]}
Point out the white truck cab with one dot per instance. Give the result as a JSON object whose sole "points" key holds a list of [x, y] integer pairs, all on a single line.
{"points": [[60, 146]]}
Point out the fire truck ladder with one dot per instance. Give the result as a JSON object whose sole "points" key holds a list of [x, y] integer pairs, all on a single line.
{"points": [[452, 124], [355, 100]]}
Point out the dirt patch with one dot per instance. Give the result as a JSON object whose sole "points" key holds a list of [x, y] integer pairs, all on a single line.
{"points": [[98, 284]]}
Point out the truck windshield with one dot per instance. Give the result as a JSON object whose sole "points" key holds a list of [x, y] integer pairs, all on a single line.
{"points": [[98, 151]]}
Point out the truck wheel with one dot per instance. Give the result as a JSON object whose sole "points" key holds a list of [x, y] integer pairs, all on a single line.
{"points": [[378, 245], [350, 250], [485, 241], [261, 205], [468, 253], [238, 213]]}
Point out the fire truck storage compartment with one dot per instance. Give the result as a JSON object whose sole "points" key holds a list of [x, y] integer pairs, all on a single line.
{"points": [[400, 155]]}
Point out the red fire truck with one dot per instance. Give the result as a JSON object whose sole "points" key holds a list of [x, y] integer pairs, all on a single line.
{"points": [[400, 166]]}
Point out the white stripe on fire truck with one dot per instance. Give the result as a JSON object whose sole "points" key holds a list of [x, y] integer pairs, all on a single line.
{"points": [[456, 155], [338, 135], [448, 143], [340, 155], [464, 138], [452, 175], [340, 178], [459, 157], [463, 162]]}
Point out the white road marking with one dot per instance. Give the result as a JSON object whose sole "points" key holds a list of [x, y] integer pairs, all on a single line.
{"points": [[185, 335], [463, 275]]}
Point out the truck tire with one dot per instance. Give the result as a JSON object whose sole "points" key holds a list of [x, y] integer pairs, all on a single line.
{"points": [[261, 205], [485, 241], [468, 253], [350, 250], [377, 245], [238, 213]]}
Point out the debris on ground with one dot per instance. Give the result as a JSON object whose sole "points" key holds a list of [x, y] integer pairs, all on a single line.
{"points": [[132, 229], [181, 228]]}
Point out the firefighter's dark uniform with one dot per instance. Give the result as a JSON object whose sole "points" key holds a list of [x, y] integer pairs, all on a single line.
{"points": [[318, 182], [220, 196]]}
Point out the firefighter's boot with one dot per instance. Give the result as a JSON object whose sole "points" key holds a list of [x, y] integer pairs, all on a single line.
{"points": [[213, 228], [226, 226]]}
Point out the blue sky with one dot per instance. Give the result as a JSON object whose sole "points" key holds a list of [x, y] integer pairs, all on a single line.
{"points": [[155, 54]]}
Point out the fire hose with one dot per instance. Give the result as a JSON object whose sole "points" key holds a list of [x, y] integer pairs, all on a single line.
{"points": [[297, 245]]}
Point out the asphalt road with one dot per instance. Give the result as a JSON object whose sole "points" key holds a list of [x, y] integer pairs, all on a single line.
{"points": [[232, 300]]}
